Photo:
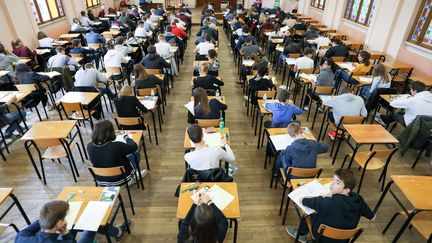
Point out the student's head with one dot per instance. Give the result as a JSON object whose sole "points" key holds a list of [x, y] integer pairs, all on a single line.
{"points": [[195, 133], [126, 91], [60, 50], [322, 33], [201, 100], [130, 34], [16, 43], [294, 130], [145, 17], [308, 52], [208, 38], [364, 57], [245, 29], [283, 95], [327, 63], [41, 35], [161, 38], [76, 43], [168, 29], [205, 22], [267, 20], [343, 182], [119, 40], [89, 66], [53, 215], [140, 72], [110, 45], [380, 70], [175, 21], [76, 21], [140, 23], [82, 13], [212, 54], [103, 132], [203, 69], [417, 87], [337, 42], [276, 27], [203, 224], [151, 49], [248, 40], [262, 71]]}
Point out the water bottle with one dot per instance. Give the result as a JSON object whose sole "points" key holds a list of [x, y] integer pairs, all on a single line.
{"points": [[264, 97], [217, 93], [221, 125], [152, 94]]}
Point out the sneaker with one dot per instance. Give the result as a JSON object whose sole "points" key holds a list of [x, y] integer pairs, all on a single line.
{"points": [[123, 229], [131, 181], [332, 135], [320, 109], [143, 173], [306, 107], [292, 231], [379, 120]]}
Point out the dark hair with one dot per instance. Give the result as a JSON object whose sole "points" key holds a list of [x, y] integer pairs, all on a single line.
{"points": [[51, 213], [366, 57], [41, 35], [130, 34], [201, 101], [140, 22], [208, 38], [93, 29], [329, 62], [2, 49], [76, 42], [195, 133], [59, 49], [262, 71], [119, 40], [245, 29], [248, 39], [283, 95], [15, 43], [21, 67], [203, 225], [82, 13], [338, 41], [212, 53], [321, 33], [110, 45], [347, 177], [103, 132], [151, 49], [417, 86], [168, 28], [308, 51]]}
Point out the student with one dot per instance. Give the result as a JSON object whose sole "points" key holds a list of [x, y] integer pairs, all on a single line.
{"points": [[419, 104], [144, 80], [282, 111], [24, 75], [89, 76], [44, 40], [205, 109], [88, 54], [299, 26], [213, 63], [13, 119], [61, 60], [128, 105], [249, 48], [290, 47], [341, 209], [306, 61], [259, 83], [337, 50], [122, 47], [52, 227], [154, 17], [267, 25], [133, 40], [85, 21], [93, 37], [114, 58], [6, 59], [303, 152], [205, 81], [76, 27], [206, 27], [20, 50], [346, 104], [259, 62], [169, 36], [242, 38], [380, 80], [322, 40], [148, 25], [203, 223], [105, 152], [90, 15], [324, 78], [203, 48], [311, 33], [203, 157], [153, 61], [364, 66], [141, 32]]}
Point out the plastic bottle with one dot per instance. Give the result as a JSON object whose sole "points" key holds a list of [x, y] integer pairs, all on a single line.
{"points": [[265, 97], [221, 125], [152, 94], [217, 93]]}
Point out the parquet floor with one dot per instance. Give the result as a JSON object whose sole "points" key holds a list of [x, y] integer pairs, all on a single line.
{"points": [[155, 219]]}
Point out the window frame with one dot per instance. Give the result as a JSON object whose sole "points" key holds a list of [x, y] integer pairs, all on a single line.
{"points": [[356, 20], [315, 4], [428, 21], [93, 5], [41, 21]]}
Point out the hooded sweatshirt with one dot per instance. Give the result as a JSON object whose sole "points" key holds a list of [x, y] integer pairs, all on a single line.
{"points": [[346, 105], [7, 60], [282, 113], [154, 61], [419, 104], [337, 211], [302, 153]]}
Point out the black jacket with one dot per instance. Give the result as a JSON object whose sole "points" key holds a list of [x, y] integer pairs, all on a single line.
{"points": [[215, 107], [154, 61], [258, 84], [207, 82], [127, 106], [37, 95], [151, 82], [337, 51]]}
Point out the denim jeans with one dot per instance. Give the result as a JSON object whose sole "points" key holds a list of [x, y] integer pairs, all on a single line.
{"points": [[135, 159], [341, 74], [13, 119]]}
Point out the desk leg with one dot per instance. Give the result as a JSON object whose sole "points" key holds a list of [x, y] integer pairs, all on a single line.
{"points": [[406, 223], [154, 126], [235, 230], [82, 142], [260, 131], [337, 151], [283, 75], [15, 199], [145, 151], [382, 196], [353, 156], [322, 126]]}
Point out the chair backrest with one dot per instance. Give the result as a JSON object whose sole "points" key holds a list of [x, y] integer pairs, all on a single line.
{"points": [[352, 119], [107, 172], [338, 58], [324, 47], [127, 121], [146, 91], [294, 55], [113, 70], [356, 47], [359, 73], [107, 35], [45, 143], [305, 71], [207, 122], [270, 94], [338, 234], [325, 90], [153, 71], [94, 45], [76, 55], [74, 106], [26, 87], [304, 172]]}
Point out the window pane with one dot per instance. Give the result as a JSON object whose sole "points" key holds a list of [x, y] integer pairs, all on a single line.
{"points": [[371, 12], [43, 8], [60, 7], [355, 9], [427, 39], [348, 8], [34, 11], [321, 4], [89, 3], [53, 8], [421, 21], [95, 2], [363, 11]]}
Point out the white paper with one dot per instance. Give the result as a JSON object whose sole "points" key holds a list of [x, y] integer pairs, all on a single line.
{"points": [[120, 138], [213, 139], [190, 107], [325, 98], [311, 189], [366, 79], [149, 104], [2, 73], [347, 65], [74, 208], [290, 61], [42, 51], [219, 196], [280, 142], [310, 77], [248, 62], [92, 216], [50, 74]]}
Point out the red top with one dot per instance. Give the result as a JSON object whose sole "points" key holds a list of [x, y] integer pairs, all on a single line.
{"points": [[267, 26], [183, 17], [178, 32], [24, 51]]}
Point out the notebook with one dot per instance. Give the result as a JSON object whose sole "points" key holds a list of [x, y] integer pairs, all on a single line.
{"points": [[311, 189]]}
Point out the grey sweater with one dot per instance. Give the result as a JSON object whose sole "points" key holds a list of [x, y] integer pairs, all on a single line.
{"points": [[346, 105], [325, 78]]}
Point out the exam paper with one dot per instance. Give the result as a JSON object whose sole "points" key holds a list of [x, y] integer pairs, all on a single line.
{"points": [[219, 196], [50, 74], [308, 76], [280, 142], [92, 216], [213, 139], [366, 79], [347, 65], [149, 104], [290, 61], [74, 208], [190, 107], [311, 189]]}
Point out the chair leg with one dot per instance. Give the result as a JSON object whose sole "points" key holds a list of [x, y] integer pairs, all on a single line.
{"points": [[4, 141], [417, 158], [390, 222], [38, 113], [2, 155], [283, 199], [343, 163], [130, 199], [361, 180], [384, 173]]}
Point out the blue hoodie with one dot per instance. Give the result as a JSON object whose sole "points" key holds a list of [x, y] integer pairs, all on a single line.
{"points": [[282, 113]]}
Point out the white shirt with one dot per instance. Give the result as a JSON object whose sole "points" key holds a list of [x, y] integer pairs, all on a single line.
{"points": [[141, 32], [320, 41], [60, 61], [114, 58], [164, 49], [208, 157], [419, 104], [204, 47], [86, 22], [89, 77], [239, 32], [304, 62], [46, 42]]}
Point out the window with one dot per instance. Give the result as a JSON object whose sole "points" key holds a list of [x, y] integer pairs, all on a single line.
{"points": [[92, 3], [360, 11], [46, 10], [318, 4], [421, 32]]}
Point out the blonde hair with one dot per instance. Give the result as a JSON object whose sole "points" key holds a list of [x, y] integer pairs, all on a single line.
{"points": [[204, 68], [380, 70], [126, 91], [294, 129]]}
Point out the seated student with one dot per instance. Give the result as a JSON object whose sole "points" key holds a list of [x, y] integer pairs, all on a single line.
{"points": [[203, 223], [121, 46], [133, 40], [259, 83], [44, 41], [52, 227], [299, 26], [419, 104], [290, 22], [177, 31], [91, 15], [203, 157], [206, 81], [341, 209], [85, 21], [148, 24], [61, 60], [93, 37], [117, 25], [141, 32], [144, 80], [290, 47], [169, 36], [322, 40], [91, 77], [6, 59], [76, 27], [128, 105], [105, 151], [206, 27], [205, 108], [346, 104], [20, 50], [282, 111], [267, 25], [302, 153], [337, 50], [243, 37], [203, 48], [13, 119], [153, 61], [88, 54], [311, 33], [154, 17], [166, 51], [380, 80], [249, 48], [324, 78], [213, 63], [114, 58], [259, 62], [364, 67], [24, 75], [306, 61]]}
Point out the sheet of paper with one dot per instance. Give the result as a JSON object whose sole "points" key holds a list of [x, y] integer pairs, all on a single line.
{"points": [[310, 77], [92, 216], [74, 208], [325, 98], [50, 74], [213, 139], [366, 79], [42, 51], [149, 104], [347, 65], [220, 197], [290, 61], [311, 189], [190, 107], [248, 62], [280, 142], [2, 73]]}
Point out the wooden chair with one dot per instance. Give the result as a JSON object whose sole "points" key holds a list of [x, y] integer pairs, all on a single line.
{"points": [[75, 111], [286, 179], [338, 58], [354, 50], [270, 94], [322, 90], [299, 84], [207, 122], [350, 235], [124, 123], [4, 226], [422, 222], [156, 91], [117, 171], [153, 71], [401, 76], [54, 149], [371, 160], [77, 57], [116, 76]]}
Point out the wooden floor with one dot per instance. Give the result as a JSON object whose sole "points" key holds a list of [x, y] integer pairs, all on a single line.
{"points": [[155, 219]]}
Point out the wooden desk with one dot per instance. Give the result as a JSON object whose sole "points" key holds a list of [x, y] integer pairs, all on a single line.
{"points": [[350, 42], [21, 61], [8, 192], [87, 194], [232, 211], [5, 96], [303, 17], [397, 65], [389, 98], [85, 98], [327, 30], [418, 191], [187, 143], [310, 21], [378, 56], [336, 35], [69, 37], [276, 40], [425, 79], [317, 25]]}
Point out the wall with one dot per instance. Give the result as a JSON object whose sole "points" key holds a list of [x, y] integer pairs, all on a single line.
{"points": [[353, 31]]}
